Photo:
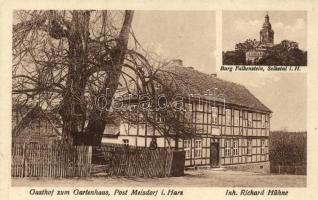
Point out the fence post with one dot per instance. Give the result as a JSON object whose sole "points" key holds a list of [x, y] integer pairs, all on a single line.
{"points": [[165, 163], [24, 168], [89, 160]]}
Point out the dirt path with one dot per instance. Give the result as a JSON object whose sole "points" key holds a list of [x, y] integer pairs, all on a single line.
{"points": [[198, 178]]}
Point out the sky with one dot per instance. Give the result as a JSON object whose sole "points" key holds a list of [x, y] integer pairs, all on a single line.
{"points": [[285, 93], [190, 36], [186, 35], [237, 26]]}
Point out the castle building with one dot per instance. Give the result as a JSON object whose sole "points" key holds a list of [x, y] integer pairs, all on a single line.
{"points": [[266, 33], [266, 41]]}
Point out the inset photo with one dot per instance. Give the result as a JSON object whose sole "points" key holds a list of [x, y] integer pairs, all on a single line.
{"points": [[266, 38]]}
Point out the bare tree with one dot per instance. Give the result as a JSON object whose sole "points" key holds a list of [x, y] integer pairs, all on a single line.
{"points": [[65, 60]]}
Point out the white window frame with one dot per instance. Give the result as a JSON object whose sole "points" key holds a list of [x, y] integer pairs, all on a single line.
{"points": [[187, 148], [263, 146], [235, 147], [197, 148], [227, 148], [236, 118], [214, 115], [228, 117]]}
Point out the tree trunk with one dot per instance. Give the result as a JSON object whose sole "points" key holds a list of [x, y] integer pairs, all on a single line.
{"points": [[73, 111], [97, 121]]}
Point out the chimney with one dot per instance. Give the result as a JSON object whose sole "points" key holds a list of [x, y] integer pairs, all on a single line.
{"points": [[176, 62]]}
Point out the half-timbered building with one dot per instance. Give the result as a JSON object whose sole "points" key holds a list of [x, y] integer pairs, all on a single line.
{"points": [[231, 125], [33, 125]]}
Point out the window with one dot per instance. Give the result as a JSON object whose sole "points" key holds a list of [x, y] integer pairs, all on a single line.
{"points": [[235, 148], [126, 142], [236, 118], [244, 147], [244, 118], [206, 107], [249, 120], [228, 116], [227, 148], [187, 148], [199, 119], [263, 121], [159, 117], [197, 148], [214, 115], [262, 146], [249, 147]]}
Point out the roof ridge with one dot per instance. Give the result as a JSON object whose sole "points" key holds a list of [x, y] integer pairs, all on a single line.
{"points": [[215, 77], [237, 93]]}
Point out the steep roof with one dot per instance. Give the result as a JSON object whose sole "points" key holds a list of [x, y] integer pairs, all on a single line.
{"points": [[190, 81], [33, 113]]}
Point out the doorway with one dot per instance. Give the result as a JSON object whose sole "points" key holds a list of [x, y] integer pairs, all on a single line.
{"points": [[214, 154]]}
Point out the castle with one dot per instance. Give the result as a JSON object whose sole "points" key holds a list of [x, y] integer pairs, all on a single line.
{"points": [[266, 42]]}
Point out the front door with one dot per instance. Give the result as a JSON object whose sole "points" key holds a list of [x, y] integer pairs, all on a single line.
{"points": [[214, 154]]}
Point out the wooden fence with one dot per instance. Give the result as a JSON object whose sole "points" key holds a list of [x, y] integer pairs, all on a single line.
{"points": [[144, 162], [38, 160]]}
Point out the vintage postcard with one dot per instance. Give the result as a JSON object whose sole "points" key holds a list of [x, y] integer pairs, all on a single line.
{"points": [[117, 100]]}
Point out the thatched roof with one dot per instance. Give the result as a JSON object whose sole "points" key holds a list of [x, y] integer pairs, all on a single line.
{"points": [[190, 81]]}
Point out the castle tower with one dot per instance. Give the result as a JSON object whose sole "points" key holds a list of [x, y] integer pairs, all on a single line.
{"points": [[266, 33]]}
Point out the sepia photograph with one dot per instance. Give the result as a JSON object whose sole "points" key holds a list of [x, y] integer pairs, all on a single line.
{"points": [[268, 38], [104, 98]]}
